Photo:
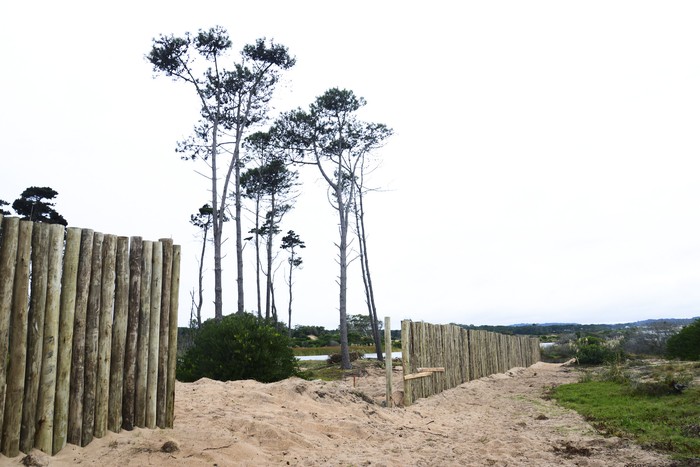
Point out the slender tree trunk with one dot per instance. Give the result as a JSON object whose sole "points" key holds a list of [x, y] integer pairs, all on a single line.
{"points": [[218, 225], [366, 277], [270, 235], [291, 268], [239, 234], [343, 262], [257, 253], [201, 278]]}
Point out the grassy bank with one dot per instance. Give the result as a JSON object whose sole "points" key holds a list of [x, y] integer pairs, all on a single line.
{"points": [[640, 402]]}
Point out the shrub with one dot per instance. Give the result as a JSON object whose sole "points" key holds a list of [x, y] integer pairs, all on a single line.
{"points": [[594, 351], [686, 344], [238, 347]]}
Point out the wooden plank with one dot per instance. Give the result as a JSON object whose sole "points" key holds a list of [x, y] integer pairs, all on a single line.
{"points": [[77, 377], [104, 346], [424, 374], [18, 344], [119, 326], [8, 259], [35, 333], [132, 333], [47, 394], [172, 340], [431, 370], [69, 280]]}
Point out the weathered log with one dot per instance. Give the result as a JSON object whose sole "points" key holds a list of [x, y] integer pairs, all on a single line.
{"points": [[65, 337], [172, 340], [16, 370], [144, 335], [77, 374], [154, 335], [92, 323], [121, 315], [164, 334], [47, 393], [8, 260], [104, 345], [132, 333], [35, 333]]}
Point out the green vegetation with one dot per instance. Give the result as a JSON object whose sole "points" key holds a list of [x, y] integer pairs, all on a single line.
{"points": [[239, 346], [686, 344], [654, 404], [595, 351]]}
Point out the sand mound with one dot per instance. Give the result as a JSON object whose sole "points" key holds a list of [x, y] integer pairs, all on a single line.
{"points": [[498, 420]]}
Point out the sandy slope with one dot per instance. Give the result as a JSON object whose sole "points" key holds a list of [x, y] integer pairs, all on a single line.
{"points": [[499, 420]]}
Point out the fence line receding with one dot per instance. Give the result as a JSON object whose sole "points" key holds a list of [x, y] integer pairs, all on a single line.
{"points": [[88, 334], [440, 357]]}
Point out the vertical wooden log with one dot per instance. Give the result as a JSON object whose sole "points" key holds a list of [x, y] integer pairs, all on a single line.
{"points": [[121, 315], [154, 334], [144, 336], [47, 394], [132, 333], [387, 360], [92, 323], [164, 335], [172, 340], [406, 361], [35, 333], [104, 346], [17, 344], [77, 374], [8, 259], [65, 337]]}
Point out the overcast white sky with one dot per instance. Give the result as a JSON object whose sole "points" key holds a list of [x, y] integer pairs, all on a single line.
{"points": [[544, 166]]}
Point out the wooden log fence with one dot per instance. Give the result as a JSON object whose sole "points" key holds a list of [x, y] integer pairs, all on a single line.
{"points": [[88, 334], [440, 357]]}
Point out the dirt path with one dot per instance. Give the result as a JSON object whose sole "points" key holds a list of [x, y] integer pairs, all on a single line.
{"points": [[501, 420]]}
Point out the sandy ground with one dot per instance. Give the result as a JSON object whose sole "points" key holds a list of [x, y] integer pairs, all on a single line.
{"points": [[501, 420]]}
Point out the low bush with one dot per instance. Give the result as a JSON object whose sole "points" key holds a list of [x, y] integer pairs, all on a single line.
{"points": [[238, 347], [686, 344]]}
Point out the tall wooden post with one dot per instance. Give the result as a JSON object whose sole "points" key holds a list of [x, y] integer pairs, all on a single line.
{"points": [[387, 360], [18, 344], [8, 260], [132, 333], [121, 314], [69, 280], [172, 340], [47, 394], [104, 345], [77, 372], [35, 333]]}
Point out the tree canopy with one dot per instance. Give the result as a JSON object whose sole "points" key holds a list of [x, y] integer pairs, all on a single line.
{"points": [[34, 204]]}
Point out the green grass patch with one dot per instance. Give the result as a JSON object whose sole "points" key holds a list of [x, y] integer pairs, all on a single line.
{"points": [[667, 423]]}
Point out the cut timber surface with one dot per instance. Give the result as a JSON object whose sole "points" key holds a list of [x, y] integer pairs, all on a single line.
{"points": [[418, 375]]}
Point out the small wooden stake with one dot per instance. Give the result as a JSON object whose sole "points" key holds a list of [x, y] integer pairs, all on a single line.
{"points": [[387, 359]]}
